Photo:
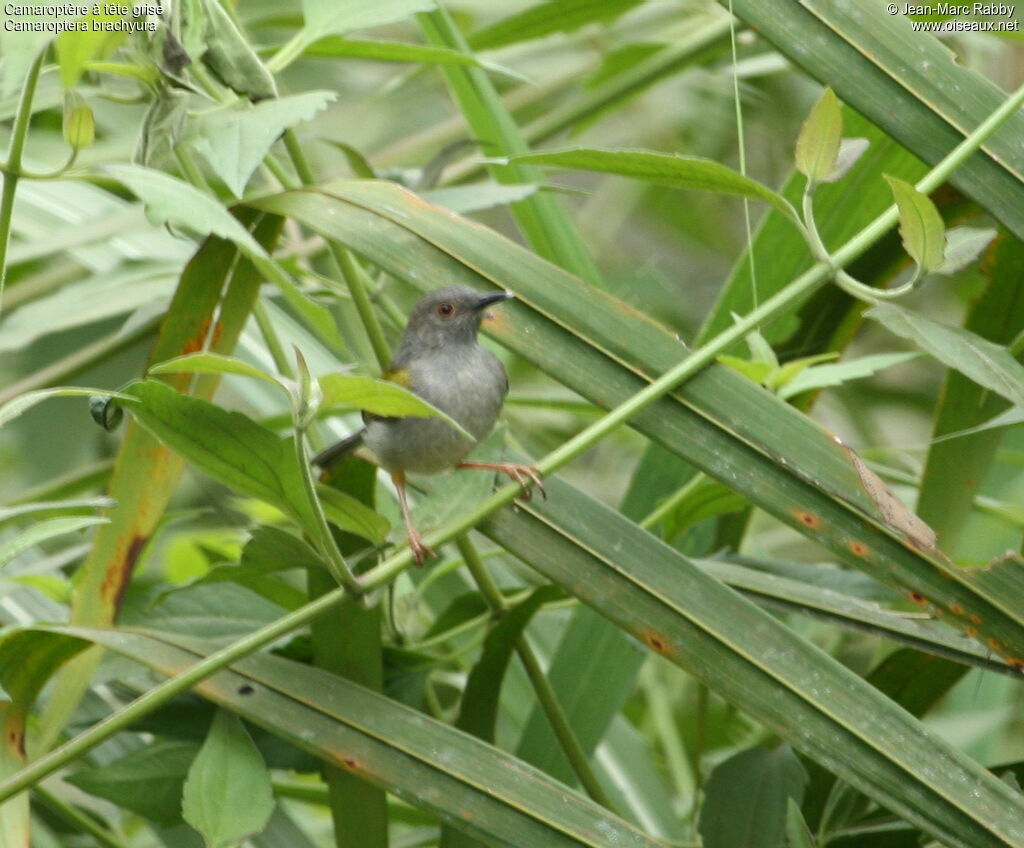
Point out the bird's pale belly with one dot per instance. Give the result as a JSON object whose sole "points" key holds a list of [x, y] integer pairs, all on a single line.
{"points": [[470, 389]]}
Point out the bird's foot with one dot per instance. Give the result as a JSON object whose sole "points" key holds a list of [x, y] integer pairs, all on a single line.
{"points": [[524, 475], [421, 551]]}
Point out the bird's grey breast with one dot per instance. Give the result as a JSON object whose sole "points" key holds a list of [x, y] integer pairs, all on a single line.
{"points": [[468, 383]]}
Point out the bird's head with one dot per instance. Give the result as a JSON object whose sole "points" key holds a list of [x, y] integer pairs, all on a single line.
{"points": [[450, 315]]}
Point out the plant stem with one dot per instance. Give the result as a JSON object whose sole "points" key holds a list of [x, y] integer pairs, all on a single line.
{"points": [[350, 270], [12, 168], [559, 721]]}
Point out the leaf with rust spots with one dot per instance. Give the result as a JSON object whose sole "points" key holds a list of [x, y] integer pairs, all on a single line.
{"points": [[895, 513]]}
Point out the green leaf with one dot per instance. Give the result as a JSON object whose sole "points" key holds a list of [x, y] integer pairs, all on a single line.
{"points": [[756, 371], [478, 711], [746, 798], [75, 506], [327, 17], [147, 781], [688, 172], [170, 199], [228, 446], [820, 376], [921, 227], [989, 365], [227, 794], [229, 55], [963, 246], [205, 362], [798, 834], [387, 51], [1009, 418], [478, 196], [908, 83], [791, 370], [850, 150], [817, 146], [379, 397], [547, 18], [510, 804], [352, 516], [235, 141], [22, 403], [76, 48], [43, 530]]}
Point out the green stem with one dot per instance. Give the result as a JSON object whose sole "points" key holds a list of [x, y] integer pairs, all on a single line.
{"points": [[559, 721], [63, 810], [398, 562], [671, 503], [271, 340], [325, 541], [12, 168], [353, 274]]}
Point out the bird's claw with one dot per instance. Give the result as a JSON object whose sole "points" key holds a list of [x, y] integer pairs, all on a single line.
{"points": [[520, 473], [421, 551]]}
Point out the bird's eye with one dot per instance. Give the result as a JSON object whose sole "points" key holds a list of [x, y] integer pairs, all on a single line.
{"points": [[446, 309]]}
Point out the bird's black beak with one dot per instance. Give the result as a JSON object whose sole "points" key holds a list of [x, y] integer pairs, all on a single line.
{"points": [[494, 297]]}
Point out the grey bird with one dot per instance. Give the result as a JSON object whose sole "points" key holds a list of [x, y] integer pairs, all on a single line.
{"points": [[440, 360]]}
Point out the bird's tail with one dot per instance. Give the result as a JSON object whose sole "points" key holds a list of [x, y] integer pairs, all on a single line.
{"points": [[339, 450]]}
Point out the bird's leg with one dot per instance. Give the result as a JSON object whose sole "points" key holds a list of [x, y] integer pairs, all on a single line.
{"points": [[420, 549], [524, 475]]}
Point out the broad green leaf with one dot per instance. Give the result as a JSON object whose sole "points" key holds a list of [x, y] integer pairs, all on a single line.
{"points": [[206, 362], [325, 17], [478, 196], [147, 781], [228, 446], [77, 48], [227, 794], [93, 299], [987, 364], [785, 374], [1010, 418], [746, 798], [216, 611], [952, 469], [229, 55], [22, 403], [272, 549], [478, 710], [169, 199], [377, 396], [72, 506], [510, 804], [546, 18], [699, 624], [352, 516], [592, 672], [817, 146], [234, 141], [921, 226], [798, 834], [756, 371], [387, 51], [43, 530], [963, 246], [820, 376], [688, 172], [850, 150]]}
